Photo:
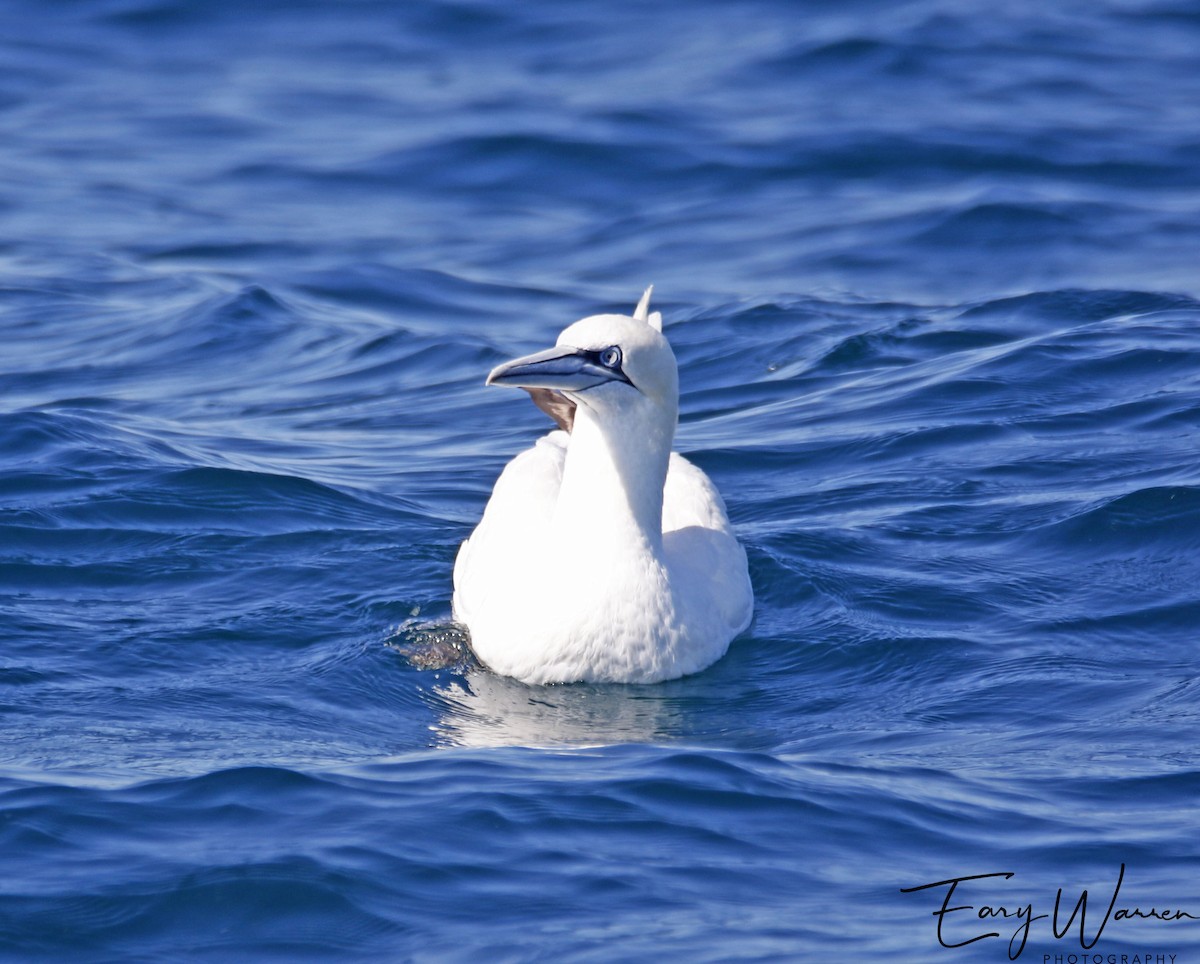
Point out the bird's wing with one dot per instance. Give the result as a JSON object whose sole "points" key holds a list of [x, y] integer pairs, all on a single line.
{"points": [[515, 520], [698, 540], [690, 498]]}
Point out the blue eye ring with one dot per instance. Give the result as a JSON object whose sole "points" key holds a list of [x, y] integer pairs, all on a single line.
{"points": [[611, 357]]}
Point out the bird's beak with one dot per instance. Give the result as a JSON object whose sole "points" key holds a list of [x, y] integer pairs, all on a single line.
{"points": [[567, 369]]}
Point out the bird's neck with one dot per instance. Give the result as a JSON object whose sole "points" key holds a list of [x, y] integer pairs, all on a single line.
{"points": [[612, 487]]}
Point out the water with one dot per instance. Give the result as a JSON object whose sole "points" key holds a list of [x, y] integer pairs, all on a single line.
{"points": [[930, 273]]}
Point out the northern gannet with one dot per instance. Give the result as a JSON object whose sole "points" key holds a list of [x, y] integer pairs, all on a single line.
{"points": [[602, 556]]}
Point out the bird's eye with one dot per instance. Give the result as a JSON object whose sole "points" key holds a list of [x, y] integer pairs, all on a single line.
{"points": [[610, 357]]}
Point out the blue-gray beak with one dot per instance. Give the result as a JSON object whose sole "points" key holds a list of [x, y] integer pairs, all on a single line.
{"points": [[566, 369]]}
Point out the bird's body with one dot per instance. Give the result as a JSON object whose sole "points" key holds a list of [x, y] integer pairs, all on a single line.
{"points": [[602, 556]]}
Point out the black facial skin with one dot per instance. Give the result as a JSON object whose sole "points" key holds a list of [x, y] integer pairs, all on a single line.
{"points": [[609, 358]]}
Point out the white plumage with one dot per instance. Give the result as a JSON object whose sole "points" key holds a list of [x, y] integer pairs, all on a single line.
{"points": [[602, 556]]}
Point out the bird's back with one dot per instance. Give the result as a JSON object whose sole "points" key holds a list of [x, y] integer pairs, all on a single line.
{"points": [[501, 584]]}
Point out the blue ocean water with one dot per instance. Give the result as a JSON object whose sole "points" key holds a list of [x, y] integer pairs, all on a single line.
{"points": [[930, 271]]}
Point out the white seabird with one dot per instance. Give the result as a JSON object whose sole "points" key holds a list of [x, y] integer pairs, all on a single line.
{"points": [[602, 556]]}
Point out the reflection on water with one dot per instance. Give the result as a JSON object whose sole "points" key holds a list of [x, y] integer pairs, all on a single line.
{"points": [[482, 709], [478, 708]]}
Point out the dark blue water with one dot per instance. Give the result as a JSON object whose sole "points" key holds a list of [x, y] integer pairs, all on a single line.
{"points": [[930, 270]]}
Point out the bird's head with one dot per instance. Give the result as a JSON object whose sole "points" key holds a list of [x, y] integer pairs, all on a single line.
{"points": [[608, 364]]}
